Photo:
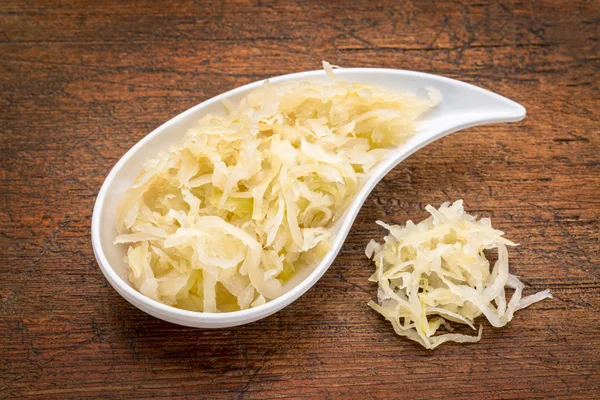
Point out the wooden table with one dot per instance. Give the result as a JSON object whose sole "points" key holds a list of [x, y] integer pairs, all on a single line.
{"points": [[81, 83]]}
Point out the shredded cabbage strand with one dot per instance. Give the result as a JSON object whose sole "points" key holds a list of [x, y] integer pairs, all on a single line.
{"points": [[435, 272], [224, 218]]}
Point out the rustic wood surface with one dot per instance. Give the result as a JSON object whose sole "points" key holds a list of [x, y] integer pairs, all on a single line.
{"points": [[81, 82]]}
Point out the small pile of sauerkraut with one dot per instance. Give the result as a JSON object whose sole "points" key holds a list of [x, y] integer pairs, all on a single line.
{"points": [[223, 219], [436, 272]]}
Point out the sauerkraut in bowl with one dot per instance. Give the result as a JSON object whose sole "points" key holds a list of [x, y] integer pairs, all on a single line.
{"points": [[222, 219]]}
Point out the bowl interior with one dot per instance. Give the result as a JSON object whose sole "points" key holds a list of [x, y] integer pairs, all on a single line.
{"points": [[129, 167]]}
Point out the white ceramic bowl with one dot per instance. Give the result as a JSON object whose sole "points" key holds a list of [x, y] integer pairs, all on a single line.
{"points": [[463, 106]]}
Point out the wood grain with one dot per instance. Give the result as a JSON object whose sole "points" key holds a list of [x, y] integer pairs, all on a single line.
{"points": [[81, 82]]}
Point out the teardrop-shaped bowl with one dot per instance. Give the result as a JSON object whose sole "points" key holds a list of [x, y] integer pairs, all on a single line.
{"points": [[462, 106]]}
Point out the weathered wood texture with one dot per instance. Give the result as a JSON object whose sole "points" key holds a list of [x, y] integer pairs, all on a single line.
{"points": [[81, 82]]}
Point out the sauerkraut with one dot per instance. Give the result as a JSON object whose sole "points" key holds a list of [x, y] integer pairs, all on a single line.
{"points": [[224, 218], [436, 272]]}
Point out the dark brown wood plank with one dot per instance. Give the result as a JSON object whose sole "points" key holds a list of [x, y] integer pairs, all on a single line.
{"points": [[81, 82]]}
